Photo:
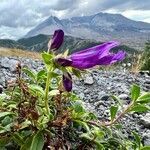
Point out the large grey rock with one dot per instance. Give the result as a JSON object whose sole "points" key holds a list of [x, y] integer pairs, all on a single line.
{"points": [[9, 63], [4, 62], [12, 64]]}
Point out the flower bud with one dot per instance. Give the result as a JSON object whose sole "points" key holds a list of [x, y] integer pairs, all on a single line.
{"points": [[67, 82], [56, 40]]}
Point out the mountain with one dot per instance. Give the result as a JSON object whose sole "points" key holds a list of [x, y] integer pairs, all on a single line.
{"points": [[100, 27], [39, 43]]}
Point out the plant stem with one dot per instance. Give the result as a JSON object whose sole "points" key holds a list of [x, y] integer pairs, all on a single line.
{"points": [[98, 124], [47, 90]]}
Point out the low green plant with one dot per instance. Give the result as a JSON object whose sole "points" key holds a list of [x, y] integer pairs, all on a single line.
{"points": [[146, 58], [37, 112]]}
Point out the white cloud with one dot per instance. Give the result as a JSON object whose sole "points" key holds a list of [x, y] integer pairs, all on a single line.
{"points": [[18, 16], [12, 33], [139, 15]]}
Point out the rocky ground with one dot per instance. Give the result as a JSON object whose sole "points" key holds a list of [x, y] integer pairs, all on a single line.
{"points": [[95, 88]]}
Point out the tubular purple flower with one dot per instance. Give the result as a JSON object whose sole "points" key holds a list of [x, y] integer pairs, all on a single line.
{"points": [[67, 82], [97, 55], [56, 40]]}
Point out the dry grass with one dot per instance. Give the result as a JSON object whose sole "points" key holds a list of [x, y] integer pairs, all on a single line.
{"points": [[19, 53], [136, 64]]}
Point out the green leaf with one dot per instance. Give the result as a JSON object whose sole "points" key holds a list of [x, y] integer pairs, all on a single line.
{"points": [[86, 136], [30, 73], [27, 143], [18, 139], [4, 141], [4, 114], [117, 99], [66, 53], [76, 72], [78, 107], [140, 108], [84, 124], [99, 133], [7, 120], [6, 128], [54, 75], [38, 141], [53, 92], [135, 92], [99, 146], [47, 58], [113, 112], [40, 74], [25, 124], [35, 88], [137, 139], [144, 98], [145, 148]]}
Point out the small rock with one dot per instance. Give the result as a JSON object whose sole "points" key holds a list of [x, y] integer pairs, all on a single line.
{"points": [[123, 96], [89, 80], [105, 98]]}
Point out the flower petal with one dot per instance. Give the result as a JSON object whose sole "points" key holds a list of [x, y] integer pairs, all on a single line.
{"points": [[67, 82], [99, 49], [111, 58], [89, 58]]}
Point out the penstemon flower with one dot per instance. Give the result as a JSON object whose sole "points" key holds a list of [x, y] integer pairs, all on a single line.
{"points": [[97, 55], [90, 57]]}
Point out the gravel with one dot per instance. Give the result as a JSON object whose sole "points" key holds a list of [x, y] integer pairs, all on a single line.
{"points": [[96, 89]]}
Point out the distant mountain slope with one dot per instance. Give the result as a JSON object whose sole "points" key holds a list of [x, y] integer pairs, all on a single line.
{"points": [[101, 27], [39, 43], [11, 44]]}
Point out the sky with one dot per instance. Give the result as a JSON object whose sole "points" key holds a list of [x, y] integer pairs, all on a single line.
{"points": [[17, 17]]}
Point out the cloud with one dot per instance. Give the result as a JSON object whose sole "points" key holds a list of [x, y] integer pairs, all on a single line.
{"points": [[12, 33], [22, 15]]}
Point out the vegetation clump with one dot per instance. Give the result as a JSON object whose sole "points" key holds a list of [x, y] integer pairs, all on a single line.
{"points": [[146, 58], [40, 111]]}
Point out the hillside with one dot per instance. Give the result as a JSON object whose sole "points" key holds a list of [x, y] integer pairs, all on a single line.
{"points": [[7, 43], [100, 27], [39, 43]]}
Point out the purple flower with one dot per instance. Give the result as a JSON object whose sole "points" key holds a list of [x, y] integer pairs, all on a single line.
{"points": [[67, 82], [56, 40], [97, 55], [88, 58]]}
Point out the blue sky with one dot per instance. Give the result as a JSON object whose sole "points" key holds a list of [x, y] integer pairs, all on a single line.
{"points": [[17, 17]]}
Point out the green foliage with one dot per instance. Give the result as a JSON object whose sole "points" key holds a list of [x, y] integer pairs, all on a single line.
{"points": [[146, 58], [37, 113], [113, 111], [135, 92]]}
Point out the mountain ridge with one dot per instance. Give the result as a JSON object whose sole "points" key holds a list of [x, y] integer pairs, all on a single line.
{"points": [[100, 27]]}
